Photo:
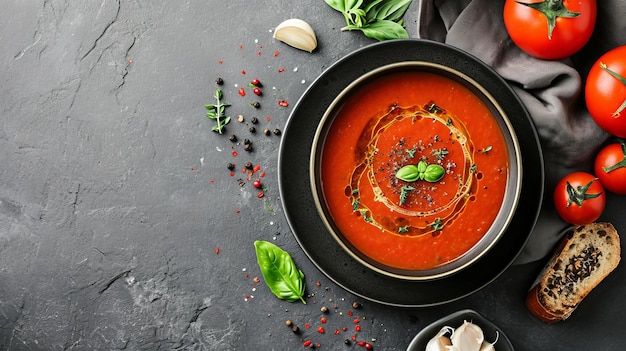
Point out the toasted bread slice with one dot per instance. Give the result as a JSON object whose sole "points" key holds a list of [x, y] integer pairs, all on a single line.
{"points": [[584, 257]]}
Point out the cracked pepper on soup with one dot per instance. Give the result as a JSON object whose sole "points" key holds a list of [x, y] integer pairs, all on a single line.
{"points": [[414, 168]]}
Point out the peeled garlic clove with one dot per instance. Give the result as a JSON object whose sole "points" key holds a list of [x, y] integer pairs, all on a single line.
{"points": [[487, 346], [468, 337], [440, 342], [297, 33]]}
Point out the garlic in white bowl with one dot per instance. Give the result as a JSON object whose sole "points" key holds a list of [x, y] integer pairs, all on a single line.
{"points": [[467, 337]]}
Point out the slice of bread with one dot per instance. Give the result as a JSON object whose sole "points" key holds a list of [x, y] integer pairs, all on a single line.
{"points": [[583, 258]]}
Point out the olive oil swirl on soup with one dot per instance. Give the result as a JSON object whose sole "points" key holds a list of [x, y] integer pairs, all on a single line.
{"points": [[419, 223]]}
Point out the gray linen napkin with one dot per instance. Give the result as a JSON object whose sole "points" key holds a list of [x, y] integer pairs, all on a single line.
{"points": [[551, 90]]}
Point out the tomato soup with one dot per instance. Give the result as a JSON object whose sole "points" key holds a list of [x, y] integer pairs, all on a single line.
{"points": [[441, 205]]}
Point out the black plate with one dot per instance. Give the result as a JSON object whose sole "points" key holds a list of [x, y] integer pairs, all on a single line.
{"points": [[455, 320], [307, 225]]}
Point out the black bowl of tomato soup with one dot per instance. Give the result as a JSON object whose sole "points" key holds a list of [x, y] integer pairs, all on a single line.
{"points": [[416, 170]]}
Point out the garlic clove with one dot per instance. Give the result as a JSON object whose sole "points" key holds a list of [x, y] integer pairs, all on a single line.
{"points": [[487, 346], [441, 342], [297, 33], [468, 337]]}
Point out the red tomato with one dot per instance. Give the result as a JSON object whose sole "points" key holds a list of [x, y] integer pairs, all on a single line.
{"points": [[610, 167], [605, 91], [579, 198], [529, 27]]}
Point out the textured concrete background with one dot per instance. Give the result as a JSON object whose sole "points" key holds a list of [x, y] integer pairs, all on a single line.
{"points": [[114, 192]]}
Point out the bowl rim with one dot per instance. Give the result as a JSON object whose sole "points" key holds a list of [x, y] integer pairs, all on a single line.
{"points": [[510, 198]]}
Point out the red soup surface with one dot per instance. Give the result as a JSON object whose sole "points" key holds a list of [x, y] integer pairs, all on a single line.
{"points": [[435, 125]]}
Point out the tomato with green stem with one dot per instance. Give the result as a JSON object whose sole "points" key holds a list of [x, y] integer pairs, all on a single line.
{"points": [[579, 198], [550, 29], [605, 91], [610, 167]]}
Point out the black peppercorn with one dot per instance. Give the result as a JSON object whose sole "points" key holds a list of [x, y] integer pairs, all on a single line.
{"points": [[248, 165], [254, 120], [356, 305], [232, 138], [347, 342], [219, 81], [247, 147], [266, 131], [247, 141], [276, 131], [230, 166], [252, 130], [255, 104], [295, 329]]}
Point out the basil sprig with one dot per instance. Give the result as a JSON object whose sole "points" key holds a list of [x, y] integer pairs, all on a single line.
{"points": [[431, 173], [281, 275], [379, 19]]}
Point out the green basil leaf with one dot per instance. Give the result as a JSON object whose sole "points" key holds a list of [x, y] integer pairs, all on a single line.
{"points": [[434, 173], [408, 173], [372, 10], [352, 4], [384, 30], [392, 10], [281, 275], [338, 5], [357, 17]]}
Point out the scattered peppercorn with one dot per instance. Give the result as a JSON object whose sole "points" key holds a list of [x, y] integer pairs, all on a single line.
{"points": [[257, 183], [295, 329], [248, 165], [266, 131], [257, 91], [219, 81], [356, 305], [254, 120], [230, 166], [246, 141], [255, 104], [247, 147], [276, 131], [256, 82], [233, 138], [240, 118], [252, 130], [368, 346], [288, 323], [347, 342], [324, 309]]}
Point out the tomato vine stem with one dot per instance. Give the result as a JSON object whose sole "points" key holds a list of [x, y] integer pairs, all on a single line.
{"points": [[622, 80], [621, 163], [579, 194], [551, 9]]}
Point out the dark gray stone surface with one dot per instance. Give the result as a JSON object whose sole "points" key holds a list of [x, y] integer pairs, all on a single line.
{"points": [[114, 192]]}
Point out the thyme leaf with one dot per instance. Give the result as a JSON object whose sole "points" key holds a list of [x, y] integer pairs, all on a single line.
{"points": [[404, 193], [216, 112]]}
